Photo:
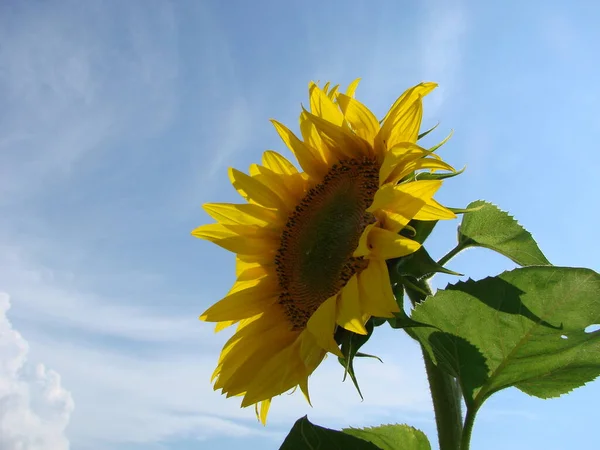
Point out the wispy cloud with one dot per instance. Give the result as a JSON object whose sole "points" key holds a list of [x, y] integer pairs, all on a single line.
{"points": [[47, 297], [34, 407], [70, 86], [442, 35], [170, 395]]}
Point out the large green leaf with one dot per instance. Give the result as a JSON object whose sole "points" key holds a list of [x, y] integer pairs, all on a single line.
{"points": [[459, 358], [306, 436], [392, 437], [492, 228], [529, 324]]}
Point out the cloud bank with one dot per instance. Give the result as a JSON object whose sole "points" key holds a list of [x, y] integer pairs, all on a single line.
{"points": [[34, 407]]}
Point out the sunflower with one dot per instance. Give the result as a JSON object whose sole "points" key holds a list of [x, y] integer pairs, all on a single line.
{"points": [[312, 245]]}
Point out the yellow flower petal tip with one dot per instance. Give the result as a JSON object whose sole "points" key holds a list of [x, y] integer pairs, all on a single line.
{"points": [[312, 243]]}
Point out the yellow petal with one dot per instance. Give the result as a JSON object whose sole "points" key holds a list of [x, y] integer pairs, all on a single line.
{"points": [[314, 141], [310, 351], [387, 245], [376, 296], [247, 261], [408, 97], [264, 410], [222, 325], [255, 352], [289, 187], [277, 163], [254, 273], [363, 121], [246, 270], [277, 375], [322, 326], [398, 155], [235, 241], [404, 115], [407, 125], [352, 88], [401, 197], [432, 210], [349, 313], [244, 339], [362, 249], [420, 164], [254, 297], [245, 359], [322, 106], [241, 214], [228, 354], [277, 183], [254, 190], [304, 388], [227, 323], [340, 142], [395, 222], [303, 153], [333, 94]]}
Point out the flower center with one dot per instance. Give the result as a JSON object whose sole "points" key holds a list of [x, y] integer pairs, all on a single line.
{"points": [[314, 260]]}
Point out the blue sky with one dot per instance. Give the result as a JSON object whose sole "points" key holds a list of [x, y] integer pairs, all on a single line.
{"points": [[120, 119]]}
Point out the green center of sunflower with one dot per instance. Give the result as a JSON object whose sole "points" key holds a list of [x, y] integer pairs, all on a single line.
{"points": [[314, 260]]}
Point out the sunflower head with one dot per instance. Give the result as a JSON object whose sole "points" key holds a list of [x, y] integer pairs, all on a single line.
{"points": [[312, 244]]}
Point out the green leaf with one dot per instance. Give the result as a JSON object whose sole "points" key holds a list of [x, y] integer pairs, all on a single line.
{"points": [[392, 437], [399, 284], [350, 344], [306, 436], [459, 358], [425, 133], [417, 290], [366, 355], [465, 210], [378, 321], [439, 144], [496, 230], [418, 230], [528, 323], [419, 264], [438, 175]]}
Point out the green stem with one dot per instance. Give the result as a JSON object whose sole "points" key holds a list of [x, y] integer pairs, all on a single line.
{"points": [[446, 405], [451, 254], [445, 391], [465, 442]]}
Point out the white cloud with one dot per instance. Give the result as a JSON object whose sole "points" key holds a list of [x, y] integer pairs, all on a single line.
{"points": [[34, 407]]}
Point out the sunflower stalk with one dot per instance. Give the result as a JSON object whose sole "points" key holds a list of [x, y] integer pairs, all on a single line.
{"points": [[445, 391]]}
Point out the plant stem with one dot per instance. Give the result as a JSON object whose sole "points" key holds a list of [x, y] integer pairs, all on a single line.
{"points": [[468, 429], [446, 405], [451, 254], [445, 391]]}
